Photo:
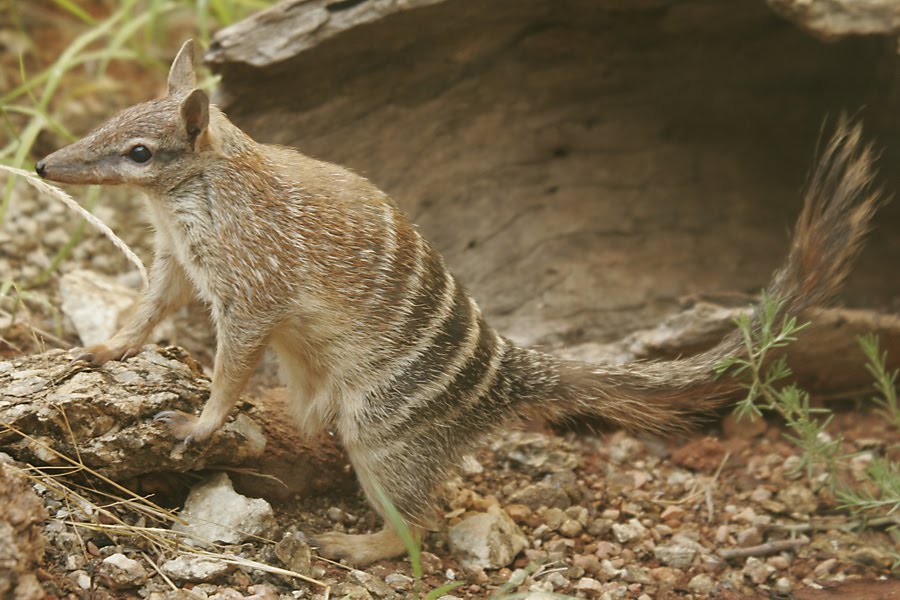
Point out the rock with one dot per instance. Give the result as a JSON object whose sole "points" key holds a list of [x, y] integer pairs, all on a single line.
{"points": [[490, 540], [623, 448], [349, 591], [374, 585], [679, 552], [570, 528], [825, 567], [871, 557], [799, 499], [21, 539], [80, 578], [537, 495], [194, 568], [214, 512], [745, 516], [399, 581], [554, 518], [337, 515], [122, 572], [588, 562], [536, 452], [757, 570], [261, 592], [629, 532], [636, 574], [702, 584], [672, 512], [599, 527], [591, 587], [96, 304], [783, 585], [470, 465], [431, 563], [760, 494], [666, 576], [519, 512], [294, 553], [749, 537]]}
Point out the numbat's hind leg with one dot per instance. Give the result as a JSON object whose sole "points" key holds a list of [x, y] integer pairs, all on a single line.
{"points": [[362, 550]]}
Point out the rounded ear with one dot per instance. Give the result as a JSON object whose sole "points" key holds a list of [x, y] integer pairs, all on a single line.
{"points": [[195, 113], [181, 74]]}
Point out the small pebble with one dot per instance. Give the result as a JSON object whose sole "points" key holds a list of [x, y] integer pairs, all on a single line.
{"points": [[701, 584], [825, 567], [570, 528], [749, 537]]}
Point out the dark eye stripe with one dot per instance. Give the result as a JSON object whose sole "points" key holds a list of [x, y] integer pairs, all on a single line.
{"points": [[140, 154]]}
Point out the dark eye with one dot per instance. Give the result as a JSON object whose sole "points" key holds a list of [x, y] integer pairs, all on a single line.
{"points": [[140, 154]]}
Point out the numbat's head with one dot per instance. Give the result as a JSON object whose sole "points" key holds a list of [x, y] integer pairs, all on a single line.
{"points": [[153, 145]]}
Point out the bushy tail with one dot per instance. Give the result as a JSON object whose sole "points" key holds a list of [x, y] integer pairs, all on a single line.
{"points": [[840, 200]]}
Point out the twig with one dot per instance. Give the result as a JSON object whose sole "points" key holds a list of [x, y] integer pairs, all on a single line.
{"points": [[837, 525], [166, 578], [763, 549]]}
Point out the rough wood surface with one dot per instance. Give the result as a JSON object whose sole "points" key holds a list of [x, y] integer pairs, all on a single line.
{"points": [[583, 165], [833, 19], [21, 540], [288, 28], [104, 417]]}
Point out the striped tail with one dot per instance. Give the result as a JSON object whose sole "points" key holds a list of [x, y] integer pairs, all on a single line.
{"points": [[839, 202]]}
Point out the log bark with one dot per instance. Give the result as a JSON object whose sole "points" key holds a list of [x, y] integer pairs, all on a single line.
{"points": [[583, 165], [21, 540], [51, 407], [834, 19]]}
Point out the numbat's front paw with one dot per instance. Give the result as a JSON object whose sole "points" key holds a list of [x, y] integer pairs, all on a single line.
{"points": [[99, 354], [183, 425]]}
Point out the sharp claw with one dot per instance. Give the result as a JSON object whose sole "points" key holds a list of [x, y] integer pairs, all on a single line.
{"points": [[187, 439], [165, 416]]}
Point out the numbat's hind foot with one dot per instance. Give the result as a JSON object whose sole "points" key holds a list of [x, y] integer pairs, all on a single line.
{"points": [[360, 550]]}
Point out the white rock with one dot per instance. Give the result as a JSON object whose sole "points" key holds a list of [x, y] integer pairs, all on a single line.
{"points": [[629, 532], [195, 568], [123, 571], [490, 540], [678, 553], [586, 584], [95, 304], [214, 512], [82, 579], [701, 584]]}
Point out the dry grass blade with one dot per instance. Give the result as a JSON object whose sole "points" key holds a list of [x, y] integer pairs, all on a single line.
{"points": [[252, 564], [66, 199], [128, 493]]}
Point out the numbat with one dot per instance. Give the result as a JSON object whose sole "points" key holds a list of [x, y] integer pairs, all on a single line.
{"points": [[375, 337]]}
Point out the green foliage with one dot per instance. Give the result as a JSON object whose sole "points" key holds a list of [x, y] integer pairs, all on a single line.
{"points": [[763, 334], [771, 329], [885, 381]]}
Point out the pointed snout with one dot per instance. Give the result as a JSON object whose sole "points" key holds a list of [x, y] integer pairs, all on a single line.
{"points": [[72, 164]]}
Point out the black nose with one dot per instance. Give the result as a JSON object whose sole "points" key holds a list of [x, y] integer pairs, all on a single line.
{"points": [[41, 168]]}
